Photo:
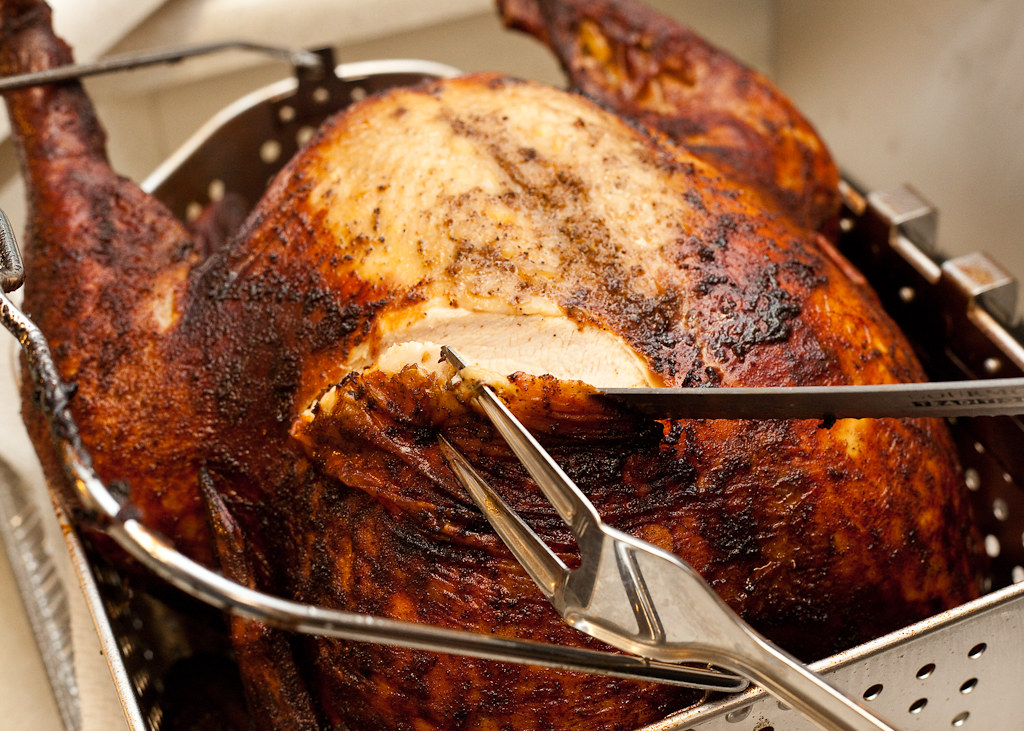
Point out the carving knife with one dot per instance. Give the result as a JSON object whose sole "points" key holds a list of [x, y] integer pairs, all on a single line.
{"points": [[988, 397]]}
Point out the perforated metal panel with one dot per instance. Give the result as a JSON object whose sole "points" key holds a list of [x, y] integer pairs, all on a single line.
{"points": [[961, 669]]}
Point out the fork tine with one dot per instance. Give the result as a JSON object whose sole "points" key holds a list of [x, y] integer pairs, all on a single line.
{"points": [[572, 505], [548, 571], [540, 562]]}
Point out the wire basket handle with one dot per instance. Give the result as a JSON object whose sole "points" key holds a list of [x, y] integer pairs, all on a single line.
{"points": [[304, 62]]}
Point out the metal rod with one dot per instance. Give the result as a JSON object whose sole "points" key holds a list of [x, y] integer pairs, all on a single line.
{"points": [[297, 58], [983, 397]]}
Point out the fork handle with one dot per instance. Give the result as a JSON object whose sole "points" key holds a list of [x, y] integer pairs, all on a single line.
{"points": [[788, 680]]}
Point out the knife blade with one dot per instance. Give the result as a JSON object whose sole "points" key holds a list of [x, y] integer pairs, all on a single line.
{"points": [[989, 397]]}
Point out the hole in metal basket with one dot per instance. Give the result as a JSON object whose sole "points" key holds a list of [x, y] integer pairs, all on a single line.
{"points": [[193, 210], [979, 448], [286, 113], [1017, 574], [156, 716], [992, 547], [873, 692], [304, 135], [972, 479], [925, 670], [270, 151], [141, 681], [993, 365], [127, 647], [1000, 509], [977, 651], [960, 718], [216, 190], [969, 685], [918, 705], [907, 294], [321, 95], [738, 715], [358, 93]]}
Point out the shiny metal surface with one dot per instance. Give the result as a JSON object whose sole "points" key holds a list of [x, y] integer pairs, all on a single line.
{"points": [[827, 403]]}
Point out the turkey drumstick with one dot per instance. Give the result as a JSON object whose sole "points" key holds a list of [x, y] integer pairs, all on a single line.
{"points": [[659, 72]]}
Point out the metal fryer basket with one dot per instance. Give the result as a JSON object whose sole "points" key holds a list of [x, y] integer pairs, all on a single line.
{"points": [[956, 669]]}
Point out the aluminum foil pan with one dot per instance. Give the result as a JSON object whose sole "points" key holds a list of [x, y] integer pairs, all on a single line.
{"points": [[25, 539]]}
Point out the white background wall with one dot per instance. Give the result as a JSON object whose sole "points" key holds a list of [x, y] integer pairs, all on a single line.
{"points": [[930, 93]]}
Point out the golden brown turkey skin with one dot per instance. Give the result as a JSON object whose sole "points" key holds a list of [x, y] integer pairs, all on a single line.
{"points": [[662, 74], [479, 196], [106, 269], [765, 526], [409, 544]]}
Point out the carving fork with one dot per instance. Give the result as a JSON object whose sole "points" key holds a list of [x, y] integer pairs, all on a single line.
{"points": [[631, 594]]}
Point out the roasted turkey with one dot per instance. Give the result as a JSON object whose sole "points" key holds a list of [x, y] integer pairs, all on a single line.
{"points": [[273, 405]]}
